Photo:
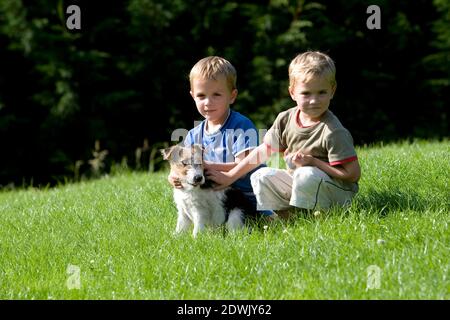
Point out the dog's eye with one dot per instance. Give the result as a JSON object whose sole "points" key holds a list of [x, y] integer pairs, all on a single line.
{"points": [[184, 163]]}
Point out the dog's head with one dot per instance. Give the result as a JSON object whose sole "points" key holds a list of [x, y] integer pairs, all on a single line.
{"points": [[187, 164]]}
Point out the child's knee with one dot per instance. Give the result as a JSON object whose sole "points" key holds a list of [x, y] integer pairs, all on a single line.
{"points": [[260, 176], [307, 175]]}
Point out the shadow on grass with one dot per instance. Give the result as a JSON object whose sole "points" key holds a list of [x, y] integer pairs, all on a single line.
{"points": [[370, 202], [385, 201]]}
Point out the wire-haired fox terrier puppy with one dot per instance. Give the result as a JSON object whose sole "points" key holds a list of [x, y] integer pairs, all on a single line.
{"points": [[197, 202]]}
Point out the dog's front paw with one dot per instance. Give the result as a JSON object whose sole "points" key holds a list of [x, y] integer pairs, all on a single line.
{"points": [[197, 230], [176, 233]]}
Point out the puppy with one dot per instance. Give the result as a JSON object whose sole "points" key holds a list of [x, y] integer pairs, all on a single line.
{"points": [[197, 202]]}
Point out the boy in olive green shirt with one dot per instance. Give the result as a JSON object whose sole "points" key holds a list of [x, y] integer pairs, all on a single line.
{"points": [[324, 168]]}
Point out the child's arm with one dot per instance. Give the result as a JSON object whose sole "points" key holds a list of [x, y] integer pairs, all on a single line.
{"points": [[217, 166], [253, 160], [226, 166], [348, 171]]}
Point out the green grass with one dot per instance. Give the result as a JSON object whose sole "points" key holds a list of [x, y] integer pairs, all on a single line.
{"points": [[119, 232]]}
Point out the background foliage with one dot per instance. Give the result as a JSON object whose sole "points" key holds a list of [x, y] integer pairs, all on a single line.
{"points": [[122, 79]]}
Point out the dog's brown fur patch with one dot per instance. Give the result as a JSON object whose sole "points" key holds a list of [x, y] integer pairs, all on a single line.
{"points": [[181, 158]]}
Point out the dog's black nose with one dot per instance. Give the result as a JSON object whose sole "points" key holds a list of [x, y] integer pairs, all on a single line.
{"points": [[198, 178]]}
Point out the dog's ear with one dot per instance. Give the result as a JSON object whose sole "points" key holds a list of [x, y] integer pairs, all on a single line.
{"points": [[173, 153], [198, 148], [167, 152]]}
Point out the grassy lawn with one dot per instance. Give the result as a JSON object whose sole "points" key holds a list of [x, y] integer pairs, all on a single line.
{"points": [[116, 233]]}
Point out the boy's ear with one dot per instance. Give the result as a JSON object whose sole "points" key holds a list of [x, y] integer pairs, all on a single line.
{"points": [[333, 90], [234, 94], [291, 92], [192, 94]]}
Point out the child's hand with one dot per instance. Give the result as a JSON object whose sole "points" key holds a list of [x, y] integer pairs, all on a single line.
{"points": [[174, 181], [288, 160], [222, 179], [207, 164], [302, 160]]}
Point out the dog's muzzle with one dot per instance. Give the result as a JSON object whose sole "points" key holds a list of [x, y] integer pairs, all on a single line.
{"points": [[198, 180]]}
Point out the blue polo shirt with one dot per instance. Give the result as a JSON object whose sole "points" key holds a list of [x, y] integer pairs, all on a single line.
{"points": [[238, 134]]}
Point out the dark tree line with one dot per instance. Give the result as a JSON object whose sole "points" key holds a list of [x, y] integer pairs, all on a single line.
{"points": [[122, 79]]}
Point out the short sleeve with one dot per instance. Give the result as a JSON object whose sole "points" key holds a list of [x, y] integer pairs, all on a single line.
{"points": [[274, 137], [340, 147], [245, 137]]}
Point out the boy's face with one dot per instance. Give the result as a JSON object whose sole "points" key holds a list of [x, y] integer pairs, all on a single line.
{"points": [[313, 97], [212, 98]]}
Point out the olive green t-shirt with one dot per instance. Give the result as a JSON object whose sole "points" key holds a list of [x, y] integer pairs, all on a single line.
{"points": [[327, 140]]}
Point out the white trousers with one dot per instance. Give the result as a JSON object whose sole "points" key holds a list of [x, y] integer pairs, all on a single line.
{"points": [[306, 187]]}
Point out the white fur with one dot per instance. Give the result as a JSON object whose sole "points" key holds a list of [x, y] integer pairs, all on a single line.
{"points": [[197, 206], [201, 207]]}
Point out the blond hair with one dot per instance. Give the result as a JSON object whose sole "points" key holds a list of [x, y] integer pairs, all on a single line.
{"points": [[211, 68], [311, 64]]}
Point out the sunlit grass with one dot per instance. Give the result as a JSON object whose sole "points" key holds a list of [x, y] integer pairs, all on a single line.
{"points": [[119, 232]]}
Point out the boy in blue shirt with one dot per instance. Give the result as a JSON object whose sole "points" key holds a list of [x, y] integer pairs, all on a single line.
{"points": [[226, 135]]}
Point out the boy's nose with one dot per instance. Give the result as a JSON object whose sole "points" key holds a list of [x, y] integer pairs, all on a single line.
{"points": [[313, 99]]}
